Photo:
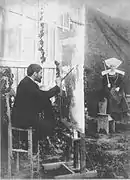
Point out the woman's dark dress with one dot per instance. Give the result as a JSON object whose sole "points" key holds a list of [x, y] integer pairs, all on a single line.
{"points": [[117, 109]]}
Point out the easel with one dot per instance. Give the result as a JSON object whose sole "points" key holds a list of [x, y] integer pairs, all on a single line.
{"points": [[79, 146], [79, 153], [79, 160]]}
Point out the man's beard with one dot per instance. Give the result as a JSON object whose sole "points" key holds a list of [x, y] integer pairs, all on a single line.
{"points": [[38, 80]]}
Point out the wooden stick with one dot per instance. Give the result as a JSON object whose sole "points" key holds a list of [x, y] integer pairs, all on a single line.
{"points": [[38, 160], [30, 152], [9, 137], [67, 74], [19, 129], [9, 150], [17, 162]]}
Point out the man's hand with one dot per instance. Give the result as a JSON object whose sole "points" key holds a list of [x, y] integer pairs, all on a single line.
{"points": [[109, 85], [42, 87], [117, 89], [58, 81]]}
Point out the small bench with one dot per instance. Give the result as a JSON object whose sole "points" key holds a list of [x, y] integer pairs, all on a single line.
{"points": [[104, 121]]}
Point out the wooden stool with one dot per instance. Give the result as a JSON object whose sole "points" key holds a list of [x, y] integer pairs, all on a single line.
{"points": [[18, 151], [103, 122]]}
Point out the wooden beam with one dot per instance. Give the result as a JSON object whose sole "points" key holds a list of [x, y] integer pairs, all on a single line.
{"points": [[88, 174], [52, 166]]}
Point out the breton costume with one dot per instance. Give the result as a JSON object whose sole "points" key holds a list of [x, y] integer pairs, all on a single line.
{"points": [[113, 89]]}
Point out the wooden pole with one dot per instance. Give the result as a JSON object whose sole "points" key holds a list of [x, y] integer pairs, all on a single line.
{"points": [[9, 150], [82, 134], [68, 150], [9, 137], [38, 160], [82, 154], [17, 162], [30, 152], [76, 153]]}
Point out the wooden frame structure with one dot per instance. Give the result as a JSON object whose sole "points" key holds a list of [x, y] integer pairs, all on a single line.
{"points": [[18, 151]]}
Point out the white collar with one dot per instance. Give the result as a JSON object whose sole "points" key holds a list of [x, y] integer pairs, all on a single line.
{"points": [[116, 71], [31, 78]]}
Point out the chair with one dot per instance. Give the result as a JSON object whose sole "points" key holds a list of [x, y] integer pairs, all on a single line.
{"points": [[18, 151]]}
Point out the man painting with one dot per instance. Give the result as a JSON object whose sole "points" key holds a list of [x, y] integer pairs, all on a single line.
{"points": [[30, 101]]}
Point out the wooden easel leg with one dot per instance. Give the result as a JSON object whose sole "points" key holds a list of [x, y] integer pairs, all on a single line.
{"points": [[76, 153], [82, 154], [68, 150]]}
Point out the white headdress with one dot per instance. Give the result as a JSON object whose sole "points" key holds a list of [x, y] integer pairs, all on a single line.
{"points": [[113, 62]]}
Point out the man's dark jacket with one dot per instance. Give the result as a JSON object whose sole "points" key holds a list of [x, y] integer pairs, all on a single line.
{"points": [[29, 102]]}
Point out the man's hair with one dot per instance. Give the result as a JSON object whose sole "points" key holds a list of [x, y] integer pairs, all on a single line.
{"points": [[33, 68]]}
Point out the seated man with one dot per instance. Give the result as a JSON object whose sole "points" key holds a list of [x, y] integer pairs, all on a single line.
{"points": [[30, 101]]}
